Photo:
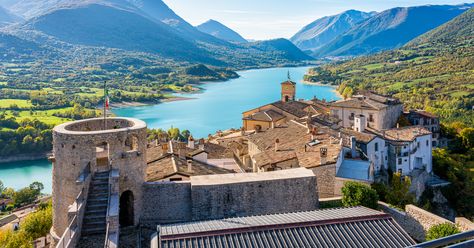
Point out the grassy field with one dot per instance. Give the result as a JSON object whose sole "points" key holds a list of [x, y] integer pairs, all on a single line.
{"points": [[45, 116], [6, 103]]}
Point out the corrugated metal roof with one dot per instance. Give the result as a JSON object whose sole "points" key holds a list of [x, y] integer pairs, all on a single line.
{"points": [[340, 227]]}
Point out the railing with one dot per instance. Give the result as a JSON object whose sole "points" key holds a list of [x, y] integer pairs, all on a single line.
{"points": [[106, 244], [456, 238], [72, 232]]}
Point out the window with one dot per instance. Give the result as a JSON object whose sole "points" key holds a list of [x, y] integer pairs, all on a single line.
{"points": [[352, 116], [427, 143], [376, 147], [371, 117], [176, 179], [418, 144], [399, 160], [385, 158]]}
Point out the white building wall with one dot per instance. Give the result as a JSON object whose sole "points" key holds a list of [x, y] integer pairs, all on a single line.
{"points": [[379, 157], [416, 155]]}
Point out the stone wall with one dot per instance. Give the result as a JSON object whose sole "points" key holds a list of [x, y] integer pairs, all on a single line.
{"points": [[414, 220], [464, 224], [220, 196], [166, 202], [325, 177], [254, 198]]}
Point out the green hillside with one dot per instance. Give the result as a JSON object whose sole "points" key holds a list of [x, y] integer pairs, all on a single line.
{"points": [[435, 71]]}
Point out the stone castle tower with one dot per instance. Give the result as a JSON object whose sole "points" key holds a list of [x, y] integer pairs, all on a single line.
{"points": [[288, 90], [83, 148]]}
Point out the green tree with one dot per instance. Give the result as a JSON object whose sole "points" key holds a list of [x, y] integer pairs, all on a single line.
{"points": [[441, 231], [399, 195], [39, 223], [9, 193], [359, 194], [25, 196], [37, 186], [467, 137]]}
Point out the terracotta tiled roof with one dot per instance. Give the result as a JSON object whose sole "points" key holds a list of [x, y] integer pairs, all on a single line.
{"points": [[170, 164], [265, 115], [361, 137], [422, 113], [367, 100], [295, 108], [293, 141], [406, 133], [289, 82]]}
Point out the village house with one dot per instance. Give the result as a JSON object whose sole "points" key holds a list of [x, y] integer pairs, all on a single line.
{"points": [[409, 148], [428, 121], [274, 114], [381, 112], [178, 161]]}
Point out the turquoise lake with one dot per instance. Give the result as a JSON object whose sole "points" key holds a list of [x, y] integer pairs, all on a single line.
{"points": [[218, 107]]}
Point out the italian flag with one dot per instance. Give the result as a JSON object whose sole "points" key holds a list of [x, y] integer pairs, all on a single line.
{"points": [[106, 96]]}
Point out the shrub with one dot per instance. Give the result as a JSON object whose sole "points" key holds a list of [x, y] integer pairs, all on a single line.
{"points": [[359, 194], [441, 230]]}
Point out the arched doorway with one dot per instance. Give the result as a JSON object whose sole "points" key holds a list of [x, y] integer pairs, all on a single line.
{"points": [[126, 209]]}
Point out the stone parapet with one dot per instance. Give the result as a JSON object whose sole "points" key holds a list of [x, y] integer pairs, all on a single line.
{"points": [[464, 224], [414, 220]]}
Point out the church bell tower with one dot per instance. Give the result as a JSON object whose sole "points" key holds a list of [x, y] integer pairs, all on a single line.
{"points": [[288, 90]]}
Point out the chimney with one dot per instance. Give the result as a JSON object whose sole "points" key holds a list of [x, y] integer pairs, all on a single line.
{"points": [[191, 142], [189, 162], [359, 123], [273, 125], [308, 127], [182, 153], [353, 147], [314, 133], [323, 152], [276, 144], [168, 147], [164, 147], [201, 144]]}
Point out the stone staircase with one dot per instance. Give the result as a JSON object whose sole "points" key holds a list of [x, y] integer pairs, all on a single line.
{"points": [[94, 223]]}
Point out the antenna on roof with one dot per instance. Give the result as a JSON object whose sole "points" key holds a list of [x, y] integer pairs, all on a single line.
{"points": [[289, 77]]}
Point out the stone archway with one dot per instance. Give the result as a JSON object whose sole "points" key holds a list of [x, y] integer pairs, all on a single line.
{"points": [[126, 217]]}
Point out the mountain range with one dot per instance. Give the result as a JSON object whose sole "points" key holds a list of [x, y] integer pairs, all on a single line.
{"points": [[220, 31], [356, 33], [148, 26], [322, 31], [7, 18]]}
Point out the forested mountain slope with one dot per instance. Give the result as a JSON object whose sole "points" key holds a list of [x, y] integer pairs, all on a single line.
{"points": [[325, 29], [435, 71], [390, 29]]}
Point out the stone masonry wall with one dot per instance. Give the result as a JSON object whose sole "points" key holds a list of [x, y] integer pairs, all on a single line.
{"points": [[325, 176], [171, 202], [254, 198], [166, 202], [414, 220], [464, 224]]}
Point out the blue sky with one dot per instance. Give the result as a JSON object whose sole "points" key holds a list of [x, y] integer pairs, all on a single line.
{"points": [[266, 19]]}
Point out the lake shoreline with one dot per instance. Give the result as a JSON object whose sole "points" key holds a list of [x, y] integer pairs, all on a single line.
{"points": [[325, 85], [24, 157]]}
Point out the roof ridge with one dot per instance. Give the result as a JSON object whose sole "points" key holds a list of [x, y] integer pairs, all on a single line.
{"points": [[276, 226]]}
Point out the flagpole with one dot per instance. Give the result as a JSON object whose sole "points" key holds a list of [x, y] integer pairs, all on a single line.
{"points": [[105, 105]]}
